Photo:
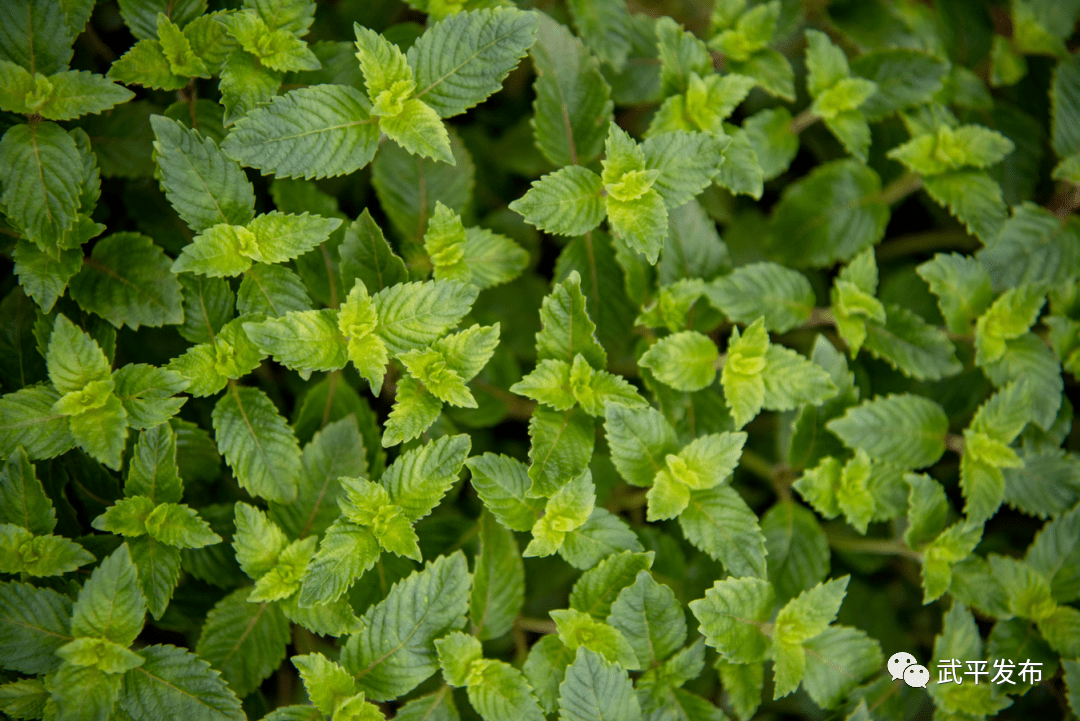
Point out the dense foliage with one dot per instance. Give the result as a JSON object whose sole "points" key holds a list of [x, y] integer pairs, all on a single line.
{"points": [[577, 359]]}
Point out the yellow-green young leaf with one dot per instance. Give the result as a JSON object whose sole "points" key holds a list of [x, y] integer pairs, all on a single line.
{"points": [[22, 498], [597, 589], [457, 653], [244, 641], [810, 613], [567, 327], [498, 589], [41, 168], [595, 389], [387, 75], [1009, 317], [962, 287], [444, 242], [927, 509], [415, 409], [177, 49], [741, 376], [685, 361], [110, 604], [820, 486], [498, 691], [103, 655], [126, 280], [257, 444], [283, 580], [311, 132], [951, 149], [420, 130], [74, 359], [904, 429], [573, 106], [731, 617], [503, 484], [783, 296], [580, 630], [219, 251], [567, 509], [594, 688], [126, 517], [1027, 589], [23, 552], [548, 383], [258, 541], [567, 202], [461, 60], [395, 651], [327, 683], [146, 64], [278, 49], [953, 544]]}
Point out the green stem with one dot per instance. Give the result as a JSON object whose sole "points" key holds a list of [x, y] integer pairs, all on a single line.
{"points": [[536, 625], [955, 443], [899, 189], [877, 546], [802, 121], [906, 245]]}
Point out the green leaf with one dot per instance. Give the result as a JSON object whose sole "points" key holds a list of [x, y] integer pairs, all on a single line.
{"points": [[243, 641], [22, 498], [685, 361], [23, 552], [158, 565], [1034, 247], [837, 660], [718, 521], [272, 291], [796, 548], [647, 614], [110, 604], [830, 215], [203, 185], [83, 692], [305, 341], [498, 589], [36, 36], [686, 162], [73, 93], [311, 132], [606, 28], [927, 509], [42, 176], [276, 49], [103, 655], [639, 441], [973, 198], [146, 394], [346, 552], [599, 587], [573, 106], [395, 652], [567, 509], [43, 277], [731, 616], [74, 359], [904, 77], [962, 287], [562, 445], [25, 698], [126, 280], [951, 149], [594, 689], [783, 296], [464, 58], [1052, 552], [257, 444], [172, 680], [418, 478], [952, 545], [365, 255], [1007, 318], [34, 622], [567, 328], [146, 64], [911, 345], [27, 420], [208, 305], [680, 55], [566, 202], [246, 85], [327, 683], [412, 315], [904, 429], [503, 484]]}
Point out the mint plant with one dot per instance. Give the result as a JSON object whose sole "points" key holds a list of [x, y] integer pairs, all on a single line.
{"points": [[535, 359]]}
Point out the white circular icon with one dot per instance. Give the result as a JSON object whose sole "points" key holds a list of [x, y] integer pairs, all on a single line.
{"points": [[900, 661], [916, 676]]}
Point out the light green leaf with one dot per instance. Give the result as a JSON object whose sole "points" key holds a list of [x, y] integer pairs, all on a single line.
{"points": [[345, 553], [731, 617], [311, 132], [276, 49], [498, 589], [951, 149], [257, 444], [395, 651], [418, 478], [246, 85], [174, 681], [640, 440], [1007, 318], [27, 420], [1034, 247], [43, 277], [412, 315], [159, 571], [911, 345], [685, 361], [837, 660], [503, 484], [718, 521], [650, 618], [567, 509], [98, 653], [594, 689], [567, 328], [327, 683], [464, 58], [973, 198], [23, 552], [73, 93], [566, 202], [110, 604], [244, 641], [272, 291], [562, 446], [783, 296], [305, 341], [904, 429], [962, 287]]}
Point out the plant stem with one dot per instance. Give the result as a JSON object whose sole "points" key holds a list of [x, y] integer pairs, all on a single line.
{"points": [[802, 121], [924, 243], [900, 188], [955, 443], [516, 407], [878, 546], [536, 625]]}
